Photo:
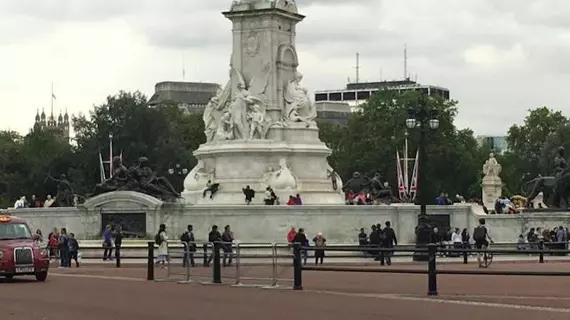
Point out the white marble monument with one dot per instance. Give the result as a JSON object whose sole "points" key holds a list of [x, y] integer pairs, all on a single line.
{"points": [[260, 128], [492, 184]]}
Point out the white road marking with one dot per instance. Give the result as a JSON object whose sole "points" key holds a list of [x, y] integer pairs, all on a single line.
{"points": [[90, 276], [447, 301]]}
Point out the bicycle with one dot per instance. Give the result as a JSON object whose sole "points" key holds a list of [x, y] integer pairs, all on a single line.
{"points": [[487, 258]]}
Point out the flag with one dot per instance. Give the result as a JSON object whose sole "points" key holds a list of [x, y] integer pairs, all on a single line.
{"points": [[101, 167], [414, 182], [401, 184]]}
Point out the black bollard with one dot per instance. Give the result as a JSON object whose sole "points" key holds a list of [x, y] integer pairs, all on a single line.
{"points": [[217, 269], [465, 254], [432, 272], [297, 267], [118, 256], [541, 254], [150, 262], [205, 249]]}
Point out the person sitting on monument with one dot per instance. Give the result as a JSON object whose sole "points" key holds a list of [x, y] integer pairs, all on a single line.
{"points": [[298, 200], [270, 198], [212, 188], [249, 194]]}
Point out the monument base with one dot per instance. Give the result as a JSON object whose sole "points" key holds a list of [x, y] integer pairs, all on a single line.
{"points": [[293, 162]]}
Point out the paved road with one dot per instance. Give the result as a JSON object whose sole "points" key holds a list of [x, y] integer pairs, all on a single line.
{"points": [[96, 293]]}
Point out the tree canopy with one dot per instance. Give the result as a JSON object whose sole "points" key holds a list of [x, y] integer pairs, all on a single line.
{"points": [[165, 135], [370, 140], [367, 144]]}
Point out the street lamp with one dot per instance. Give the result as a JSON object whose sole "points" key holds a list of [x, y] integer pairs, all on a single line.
{"points": [[179, 174], [424, 118]]}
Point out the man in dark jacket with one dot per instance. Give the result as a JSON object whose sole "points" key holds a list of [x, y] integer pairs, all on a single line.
{"points": [[216, 238], [227, 239], [301, 238], [188, 238], [389, 241], [374, 240], [118, 236]]}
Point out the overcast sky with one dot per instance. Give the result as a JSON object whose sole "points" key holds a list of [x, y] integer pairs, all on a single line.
{"points": [[499, 58]]}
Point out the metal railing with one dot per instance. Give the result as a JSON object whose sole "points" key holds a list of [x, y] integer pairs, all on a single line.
{"points": [[229, 250], [431, 251]]}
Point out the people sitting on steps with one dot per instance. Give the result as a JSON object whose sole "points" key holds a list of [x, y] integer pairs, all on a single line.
{"points": [[212, 188]]}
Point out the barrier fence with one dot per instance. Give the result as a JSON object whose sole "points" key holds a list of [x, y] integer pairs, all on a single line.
{"points": [[432, 251], [212, 252]]}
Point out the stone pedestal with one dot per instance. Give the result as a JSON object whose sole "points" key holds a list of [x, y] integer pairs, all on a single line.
{"points": [[492, 187], [236, 164]]}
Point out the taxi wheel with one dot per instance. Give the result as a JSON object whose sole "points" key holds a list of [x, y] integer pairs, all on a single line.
{"points": [[9, 278], [41, 276]]}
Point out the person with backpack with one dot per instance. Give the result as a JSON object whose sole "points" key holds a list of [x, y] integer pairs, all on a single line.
{"points": [[161, 240], [481, 238], [214, 237], [188, 238], [108, 243], [389, 241], [320, 243]]}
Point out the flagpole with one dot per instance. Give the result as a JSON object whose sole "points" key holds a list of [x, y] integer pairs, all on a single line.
{"points": [[110, 155], [52, 98], [406, 155]]}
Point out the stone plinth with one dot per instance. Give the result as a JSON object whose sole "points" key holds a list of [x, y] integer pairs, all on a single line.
{"points": [[491, 187], [237, 164]]}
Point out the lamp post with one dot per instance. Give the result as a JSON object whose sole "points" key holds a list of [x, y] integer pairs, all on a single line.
{"points": [[422, 117], [179, 173]]}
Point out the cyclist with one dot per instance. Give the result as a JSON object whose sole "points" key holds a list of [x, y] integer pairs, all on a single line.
{"points": [[482, 239]]}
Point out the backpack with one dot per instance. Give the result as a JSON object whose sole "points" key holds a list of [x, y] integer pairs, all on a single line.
{"points": [[158, 239], [480, 233]]}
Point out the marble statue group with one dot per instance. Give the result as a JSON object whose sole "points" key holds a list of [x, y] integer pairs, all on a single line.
{"points": [[243, 114]]}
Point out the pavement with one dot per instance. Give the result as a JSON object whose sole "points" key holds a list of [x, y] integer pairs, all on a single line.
{"points": [[91, 293]]}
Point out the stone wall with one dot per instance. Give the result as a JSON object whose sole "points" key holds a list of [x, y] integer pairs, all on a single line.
{"points": [[258, 223]]}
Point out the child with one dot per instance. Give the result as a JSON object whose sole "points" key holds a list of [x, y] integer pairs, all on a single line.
{"points": [[73, 249]]}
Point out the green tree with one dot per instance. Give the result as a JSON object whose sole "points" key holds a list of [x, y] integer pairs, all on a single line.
{"points": [[164, 134], [373, 135], [533, 144]]}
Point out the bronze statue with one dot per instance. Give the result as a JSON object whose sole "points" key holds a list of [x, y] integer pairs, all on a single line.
{"points": [[116, 182], [556, 188], [65, 195], [357, 184], [152, 184], [139, 178]]}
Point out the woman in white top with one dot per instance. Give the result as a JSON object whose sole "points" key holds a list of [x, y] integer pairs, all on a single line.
{"points": [[161, 240]]}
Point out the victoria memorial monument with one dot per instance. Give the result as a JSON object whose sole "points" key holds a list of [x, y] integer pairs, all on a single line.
{"points": [[260, 128]]}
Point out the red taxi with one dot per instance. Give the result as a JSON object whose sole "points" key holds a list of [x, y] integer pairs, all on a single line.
{"points": [[19, 253]]}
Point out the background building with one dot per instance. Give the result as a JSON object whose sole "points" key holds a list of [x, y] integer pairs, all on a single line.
{"points": [[356, 94], [190, 96], [498, 144], [333, 112], [60, 128]]}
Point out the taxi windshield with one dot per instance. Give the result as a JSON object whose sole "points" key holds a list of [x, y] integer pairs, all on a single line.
{"points": [[10, 231]]}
